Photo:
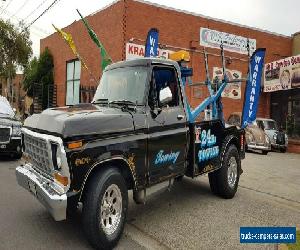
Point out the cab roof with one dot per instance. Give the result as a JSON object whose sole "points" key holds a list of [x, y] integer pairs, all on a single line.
{"points": [[146, 62]]}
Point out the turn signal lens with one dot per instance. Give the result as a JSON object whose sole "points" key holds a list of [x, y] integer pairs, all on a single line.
{"points": [[75, 144], [61, 179]]}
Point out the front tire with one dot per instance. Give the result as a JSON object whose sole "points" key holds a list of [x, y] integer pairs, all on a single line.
{"points": [[224, 181], [265, 152], [105, 208]]}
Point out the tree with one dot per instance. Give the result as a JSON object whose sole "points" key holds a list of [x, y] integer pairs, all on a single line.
{"points": [[15, 50], [39, 71]]}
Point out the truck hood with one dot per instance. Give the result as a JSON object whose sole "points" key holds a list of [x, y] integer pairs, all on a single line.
{"points": [[80, 120], [8, 121]]}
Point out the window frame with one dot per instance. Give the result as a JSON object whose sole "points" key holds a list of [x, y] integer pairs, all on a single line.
{"points": [[73, 61], [179, 94]]}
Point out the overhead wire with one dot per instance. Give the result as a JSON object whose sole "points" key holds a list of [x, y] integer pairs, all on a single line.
{"points": [[19, 9], [50, 6], [36, 28], [3, 9], [34, 10]]}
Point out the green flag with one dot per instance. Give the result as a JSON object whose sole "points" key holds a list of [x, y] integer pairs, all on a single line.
{"points": [[105, 58]]}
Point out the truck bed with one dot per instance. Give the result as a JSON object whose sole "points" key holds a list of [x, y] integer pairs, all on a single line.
{"points": [[207, 140]]}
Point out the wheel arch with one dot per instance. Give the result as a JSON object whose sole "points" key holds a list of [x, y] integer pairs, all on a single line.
{"points": [[232, 140], [126, 169]]}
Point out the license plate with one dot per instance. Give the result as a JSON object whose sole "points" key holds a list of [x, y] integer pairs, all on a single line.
{"points": [[32, 187], [3, 146]]}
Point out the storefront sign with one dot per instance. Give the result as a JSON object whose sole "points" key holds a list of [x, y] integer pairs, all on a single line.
{"points": [[232, 90], [134, 51], [231, 42], [282, 74]]}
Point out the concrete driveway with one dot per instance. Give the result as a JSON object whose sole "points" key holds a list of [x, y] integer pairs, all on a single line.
{"points": [[187, 217]]}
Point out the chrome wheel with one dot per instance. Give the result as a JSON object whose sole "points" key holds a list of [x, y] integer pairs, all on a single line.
{"points": [[232, 172], [111, 209]]}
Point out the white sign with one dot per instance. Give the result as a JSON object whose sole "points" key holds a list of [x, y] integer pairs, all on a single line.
{"points": [[232, 90], [282, 74], [213, 39], [134, 51]]}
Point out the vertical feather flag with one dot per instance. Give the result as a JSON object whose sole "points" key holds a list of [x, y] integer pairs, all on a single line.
{"points": [[105, 58], [253, 87], [151, 46], [69, 40]]}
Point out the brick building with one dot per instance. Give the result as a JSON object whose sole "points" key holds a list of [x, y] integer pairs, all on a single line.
{"points": [[14, 92], [125, 23]]}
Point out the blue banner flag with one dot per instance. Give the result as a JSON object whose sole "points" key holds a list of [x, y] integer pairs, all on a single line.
{"points": [[151, 47], [253, 87], [268, 235]]}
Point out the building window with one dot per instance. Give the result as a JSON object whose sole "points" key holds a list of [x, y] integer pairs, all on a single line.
{"points": [[73, 82], [285, 110], [197, 92]]}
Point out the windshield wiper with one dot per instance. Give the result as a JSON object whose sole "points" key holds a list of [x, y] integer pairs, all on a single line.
{"points": [[122, 102], [125, 104], [100, 101]]}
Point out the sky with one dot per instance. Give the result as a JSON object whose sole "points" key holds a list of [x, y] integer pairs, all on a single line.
{"points": [[273, 15]]}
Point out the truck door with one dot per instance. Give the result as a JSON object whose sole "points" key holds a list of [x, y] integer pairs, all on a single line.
{"points": [[167, 141]]}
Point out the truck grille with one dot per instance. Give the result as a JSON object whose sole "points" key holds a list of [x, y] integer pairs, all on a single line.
{"points": [[37, 150], [4, 135]]}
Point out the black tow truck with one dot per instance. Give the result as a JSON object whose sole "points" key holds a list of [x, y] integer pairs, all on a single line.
{"points": [[137, 132]]}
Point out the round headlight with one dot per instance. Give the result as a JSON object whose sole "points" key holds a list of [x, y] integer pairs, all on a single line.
{"points": [[274, 136], [56, 156], [58, 159]]}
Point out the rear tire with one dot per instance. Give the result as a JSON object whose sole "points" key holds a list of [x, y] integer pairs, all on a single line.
{"points": [[224, 181], [265, 152], [105, 208]]}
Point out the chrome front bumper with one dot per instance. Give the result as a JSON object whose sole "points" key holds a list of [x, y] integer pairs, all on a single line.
{"points": [[46, 191], [274, 145], [259, 147]]}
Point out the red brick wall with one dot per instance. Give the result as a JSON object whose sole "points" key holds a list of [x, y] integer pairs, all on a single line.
{"points": [[176, 29], [108, 26]]}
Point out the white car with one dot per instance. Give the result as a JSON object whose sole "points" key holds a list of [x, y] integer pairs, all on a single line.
{"points": [[279, 139]]}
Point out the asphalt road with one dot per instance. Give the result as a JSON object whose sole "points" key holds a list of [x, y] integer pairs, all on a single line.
{"points": [[187, 217]]}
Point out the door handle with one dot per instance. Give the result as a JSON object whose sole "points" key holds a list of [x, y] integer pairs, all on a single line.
{"points": [[180, 117]]}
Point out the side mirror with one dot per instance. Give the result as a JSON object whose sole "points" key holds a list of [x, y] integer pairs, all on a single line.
{"points": [[165, 95]]}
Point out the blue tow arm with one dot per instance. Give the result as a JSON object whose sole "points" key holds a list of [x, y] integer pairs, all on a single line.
{"points": [[212, 99]]}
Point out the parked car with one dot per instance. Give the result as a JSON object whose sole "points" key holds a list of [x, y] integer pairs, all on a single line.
{"points": [[10, 131], [256, 138], [279, 139]]}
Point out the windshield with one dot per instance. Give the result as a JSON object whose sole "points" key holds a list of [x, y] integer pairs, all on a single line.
{"points": [[121, 84], [270, 125]]}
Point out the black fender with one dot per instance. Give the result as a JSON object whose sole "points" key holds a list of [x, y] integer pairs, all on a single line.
{"points": [[125, 166], [229, 140]]}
